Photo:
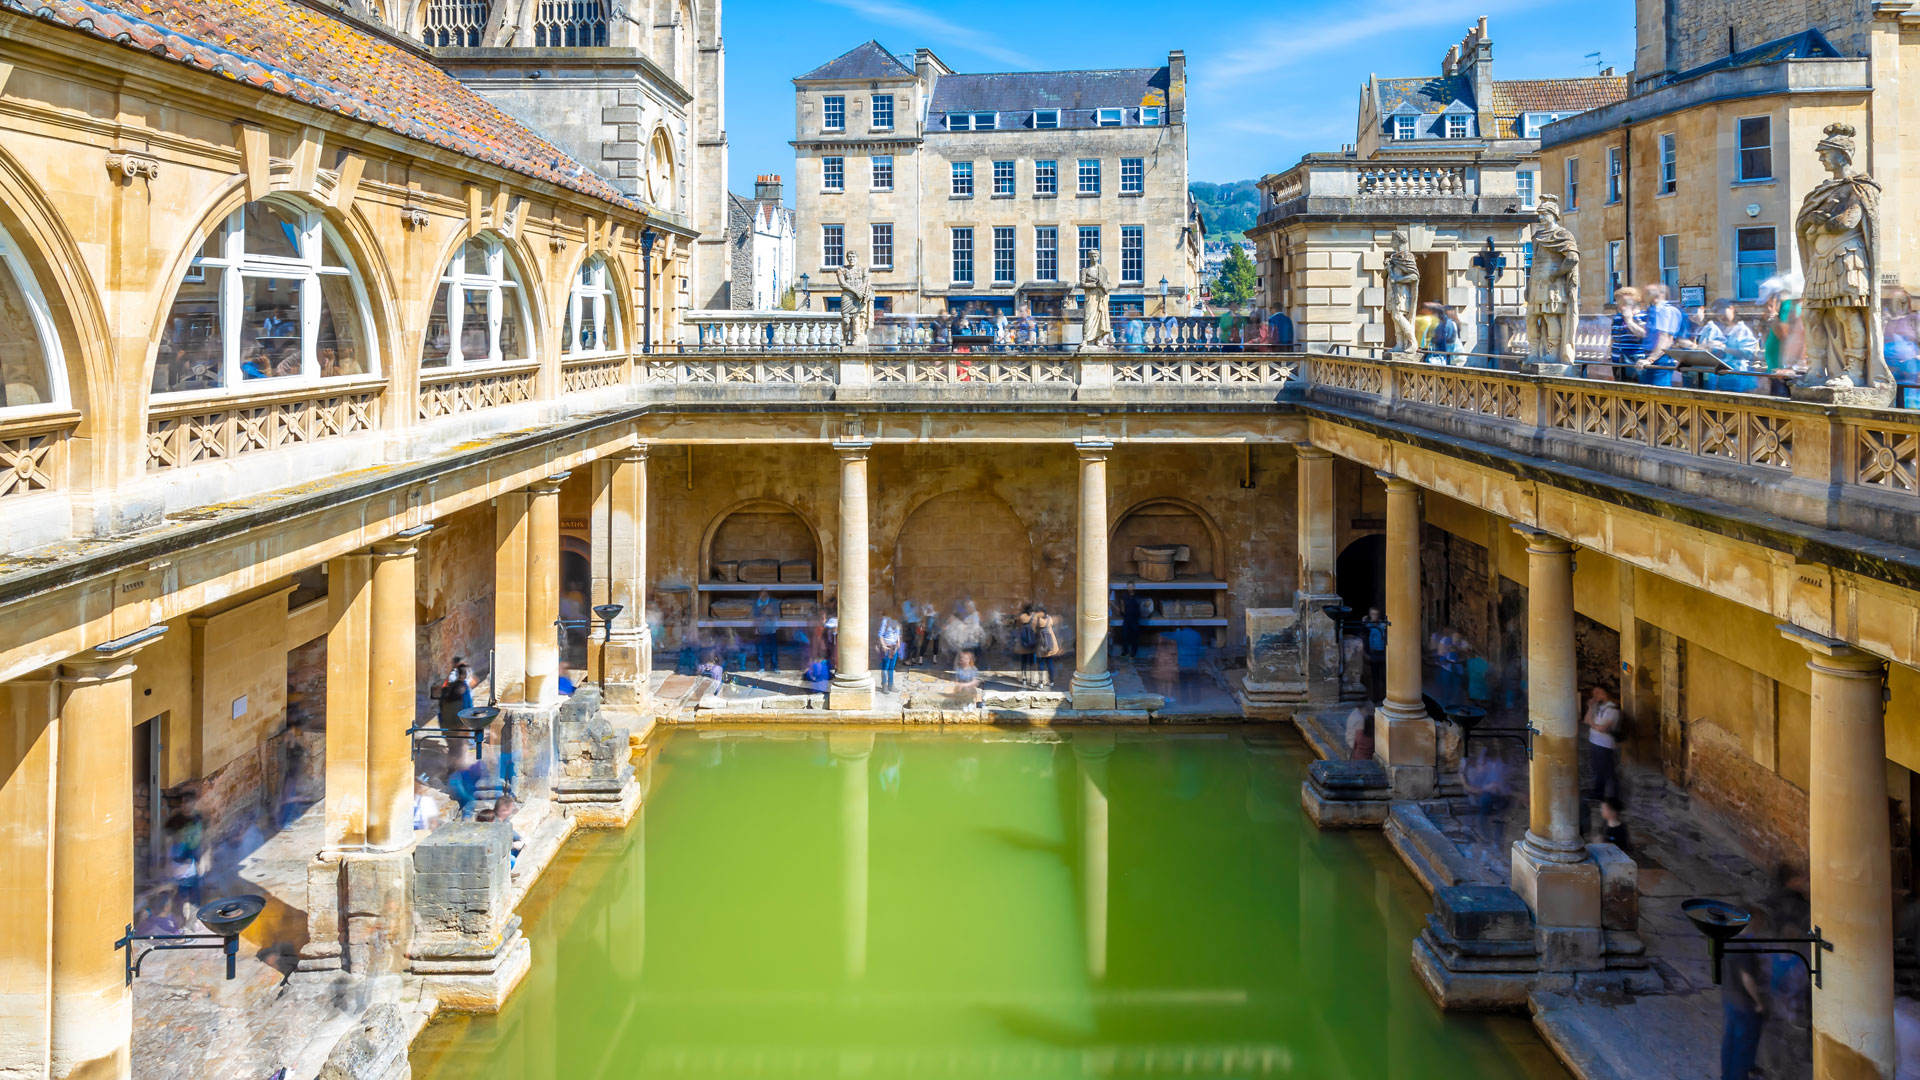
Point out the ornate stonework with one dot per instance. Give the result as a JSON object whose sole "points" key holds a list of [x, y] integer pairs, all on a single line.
{"points": [[1403, 288]]}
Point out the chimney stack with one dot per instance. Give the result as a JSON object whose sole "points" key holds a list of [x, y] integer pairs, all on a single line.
{"points": [[766, 188]]}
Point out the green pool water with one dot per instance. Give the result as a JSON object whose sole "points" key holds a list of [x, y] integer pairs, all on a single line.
{"points": [[811, 903]]}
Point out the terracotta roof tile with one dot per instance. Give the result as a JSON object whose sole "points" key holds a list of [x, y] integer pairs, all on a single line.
{"points": [[1511, 97], [294, 51]]}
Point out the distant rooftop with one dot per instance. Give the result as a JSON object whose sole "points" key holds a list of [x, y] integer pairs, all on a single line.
{"points": [[868, 60]]}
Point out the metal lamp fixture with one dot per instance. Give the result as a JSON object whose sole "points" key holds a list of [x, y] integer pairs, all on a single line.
{"points": [[607, 613], [806, 290], [228, 918], [1722, 923]]}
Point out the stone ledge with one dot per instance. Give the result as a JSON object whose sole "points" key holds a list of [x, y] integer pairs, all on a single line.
{"points": [[1434, 860]]}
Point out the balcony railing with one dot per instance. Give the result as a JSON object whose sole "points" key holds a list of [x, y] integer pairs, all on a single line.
{"points": [[816, 332], [202, 429], [33, 453], [1336, 184]]}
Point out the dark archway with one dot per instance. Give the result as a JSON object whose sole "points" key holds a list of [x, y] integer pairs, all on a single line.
{"points": [[1361, 574]]}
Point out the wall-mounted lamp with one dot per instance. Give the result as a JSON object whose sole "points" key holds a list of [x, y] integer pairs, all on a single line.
{"points": [[227, 918], [1722, 924]]}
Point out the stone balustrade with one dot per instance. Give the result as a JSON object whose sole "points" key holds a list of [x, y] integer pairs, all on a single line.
{"points": [[33, 453], [1337, 184], [778, 331], [469, 389], [203, 428]]}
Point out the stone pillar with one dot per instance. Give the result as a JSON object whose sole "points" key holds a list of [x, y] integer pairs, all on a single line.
{"points": [[852, 687], [91, 1028], [1317, 587], [626, 661], [1092, 749], [1551, 868], [509, 669], [349, 642], [1850, 873], [1092, 688], [851, 749], [28, 732], [543, 592], [392, 673], [1403, 732]]}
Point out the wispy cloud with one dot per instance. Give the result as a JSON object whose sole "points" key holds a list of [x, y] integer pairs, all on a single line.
{"points": [[1268, 48], [934, 30]]}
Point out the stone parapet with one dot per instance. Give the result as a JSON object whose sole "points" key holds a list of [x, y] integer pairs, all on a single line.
{"points": [[466, 941]]}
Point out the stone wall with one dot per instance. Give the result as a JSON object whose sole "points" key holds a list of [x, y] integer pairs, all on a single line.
{"points": [[1769, 813], [455, 598], [1702, 30]]}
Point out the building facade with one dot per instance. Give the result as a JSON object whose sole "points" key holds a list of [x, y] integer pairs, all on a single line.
{"points": [[1452, 159], [760, 241], [1695, 180], [989, 191]]}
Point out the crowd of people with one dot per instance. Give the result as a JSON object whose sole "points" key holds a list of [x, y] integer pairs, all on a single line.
{"points": [[976, 326]]}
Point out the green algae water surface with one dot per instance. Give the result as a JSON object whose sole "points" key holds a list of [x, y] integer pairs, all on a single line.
{"points": [[805, 903]]}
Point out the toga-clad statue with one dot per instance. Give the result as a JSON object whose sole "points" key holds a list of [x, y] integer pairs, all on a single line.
{"points": [[1553, 288], [1403, 287], [856, 301], [1096, 321], [1839, 232]]}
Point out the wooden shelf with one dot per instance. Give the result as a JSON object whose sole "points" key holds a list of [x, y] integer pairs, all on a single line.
{"points": [[1177, 583], [744, 586], [1116, 621]]}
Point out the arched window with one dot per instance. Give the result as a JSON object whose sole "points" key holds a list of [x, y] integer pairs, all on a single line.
{"points": [[30, 369], [561, 24], [270, 296], [593, 315], [480, 313], [660, 172], [455, 23]]}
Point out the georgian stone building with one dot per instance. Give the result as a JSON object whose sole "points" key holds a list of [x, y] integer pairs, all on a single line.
{"points": [[1695, 180], [989, 190], [761, 244], [1453, 158]]}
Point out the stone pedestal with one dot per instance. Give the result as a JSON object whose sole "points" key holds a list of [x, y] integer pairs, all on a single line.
{"points": [[1275, 657], [1558, 370], [1564, 897], [466, 941], [523, 743], [1341, 794], [1478, 949], [1866, 397], [1092, 689], [359, 913], [593, 780]]}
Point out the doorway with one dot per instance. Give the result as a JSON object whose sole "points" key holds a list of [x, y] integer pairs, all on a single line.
{"points": [[148, 818], [1360, 574]]}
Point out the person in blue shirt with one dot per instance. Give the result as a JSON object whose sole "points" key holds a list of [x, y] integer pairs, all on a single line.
{"points": [[1735, 344], [1663, 327]]}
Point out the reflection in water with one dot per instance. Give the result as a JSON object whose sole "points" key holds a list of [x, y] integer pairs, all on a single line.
{"points": [[1152, 905]]}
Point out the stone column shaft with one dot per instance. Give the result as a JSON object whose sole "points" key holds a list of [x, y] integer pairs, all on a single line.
{"points": [[852, 677], [349, 644], [1317, 588], [91, 1029], [1404, 738], [1850, 879], [543, 591], [1553, 701], [1092, 687], [392, 673], [509, 673], [627, 659]]}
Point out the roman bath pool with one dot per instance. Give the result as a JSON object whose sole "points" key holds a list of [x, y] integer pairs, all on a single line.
{"points": [[846, 903]]}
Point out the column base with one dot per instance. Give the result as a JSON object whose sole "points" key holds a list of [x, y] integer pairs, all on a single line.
{"points": [[851, 693], [477, 983], [1564, 897], [1404, 741], [359, 912], [1343, 794], [1092, 693], [532, 757], [629, 662]]}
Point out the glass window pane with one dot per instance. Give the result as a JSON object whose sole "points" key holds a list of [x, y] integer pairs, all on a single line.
{"points": [[473, 326], [512, 345], [269, 327], [272, 231], [434, 352], [330, 253], [566, 326], [475, 255], [23, 360], [192, 350], [341, 349]]}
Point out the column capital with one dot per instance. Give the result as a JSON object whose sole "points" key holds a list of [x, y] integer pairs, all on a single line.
{"points": [[401, 544], [1396, 483], [1833, 656], [852, 448], [1307, 450], [637, 452], [108, 660], [1541, 542], [548, 485], [1092, 448]]}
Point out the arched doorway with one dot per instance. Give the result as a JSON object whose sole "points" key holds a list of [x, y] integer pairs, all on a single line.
{"points": [[1361, 573], [965, 545]]}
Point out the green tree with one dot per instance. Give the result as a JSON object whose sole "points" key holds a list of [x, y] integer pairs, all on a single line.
{"points": [[1238, 282]]}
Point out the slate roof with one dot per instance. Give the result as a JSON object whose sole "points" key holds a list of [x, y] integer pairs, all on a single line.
{"points": [[1428, 94], [868, 60], [1805, 45], [284, 47], [1024, 91]]}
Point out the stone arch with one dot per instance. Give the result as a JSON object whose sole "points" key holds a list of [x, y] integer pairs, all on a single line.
{"points": [[762, 529], [535, 284], [965, 543], [1165, 520], [1360, 573], [79, 324]]}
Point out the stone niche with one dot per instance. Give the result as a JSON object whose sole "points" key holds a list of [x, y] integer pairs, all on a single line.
{"points": [[593, 779], [466, 940]]}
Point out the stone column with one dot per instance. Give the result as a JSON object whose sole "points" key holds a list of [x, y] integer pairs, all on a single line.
{"points": [[1551, 869], [349, 642], [852, 687], [1092, 688], [851, 750], [1092, 749], [1317, 589], [392, 674], [1850, 870], [1403, 732], [627, 659], [543, 591], [509, 669], [91, 1028]]}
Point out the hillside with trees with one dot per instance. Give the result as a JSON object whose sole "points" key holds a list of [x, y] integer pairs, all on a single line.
{"points": [[1230, 209]]}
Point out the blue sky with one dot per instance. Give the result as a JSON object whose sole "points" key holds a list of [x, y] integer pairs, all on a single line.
{"points": [[1267, 81]]}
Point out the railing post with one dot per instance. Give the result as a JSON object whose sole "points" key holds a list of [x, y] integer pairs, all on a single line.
{"points": [[1096, 379]]}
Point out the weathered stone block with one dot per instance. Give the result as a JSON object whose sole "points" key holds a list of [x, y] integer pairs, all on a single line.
{"points": [[375, 1049], [1276, 656], [1482, 913], [1619, 887]]}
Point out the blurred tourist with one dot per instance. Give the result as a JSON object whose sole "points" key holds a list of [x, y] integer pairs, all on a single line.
{"points": [[1603, 750]]}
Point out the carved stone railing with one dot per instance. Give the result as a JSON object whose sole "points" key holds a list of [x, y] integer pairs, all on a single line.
{"points": [[469, 389], [593, 373], [33, 453], [1337, 184], [780, 331], [1830, 467], [745, 370], [1061, 369], [1414, 181], [185, 433], [1205, 369]]}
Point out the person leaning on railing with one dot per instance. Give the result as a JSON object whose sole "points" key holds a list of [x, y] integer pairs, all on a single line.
{"points": [[1656, 364], [1628, 337], [1733, 343]]}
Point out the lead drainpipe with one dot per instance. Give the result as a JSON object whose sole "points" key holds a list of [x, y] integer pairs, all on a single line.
{"points": [[1626, 199], [646, 285]]}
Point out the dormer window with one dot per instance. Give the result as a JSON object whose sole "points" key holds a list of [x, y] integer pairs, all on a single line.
{"points": [[1111, 117], [1456, 126], [1046, 119], [1403, 127], [972, 121], [1150, 116]]}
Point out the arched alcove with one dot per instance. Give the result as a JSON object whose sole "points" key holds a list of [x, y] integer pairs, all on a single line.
{"points": [[965, 544], [767, 535], [1360, 573], [1167, 522]]}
